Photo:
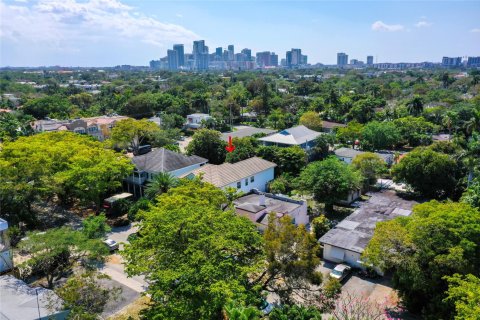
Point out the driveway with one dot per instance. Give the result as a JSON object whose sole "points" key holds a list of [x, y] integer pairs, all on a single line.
{"points": [[132, 287], [183, 144], [376, 290]]}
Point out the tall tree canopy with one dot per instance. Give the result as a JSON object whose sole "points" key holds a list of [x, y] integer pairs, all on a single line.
{"points": [[132, 133], [62, 164], [311, 120], [329, 180], [431, 173], [379, 135], [195, 256], [437, 240], [208, 144]]}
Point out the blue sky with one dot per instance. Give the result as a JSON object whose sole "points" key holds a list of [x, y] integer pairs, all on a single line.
{"points": [[112, 32]]}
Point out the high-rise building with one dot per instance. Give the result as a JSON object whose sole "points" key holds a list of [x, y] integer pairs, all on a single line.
{"points": [[288, 59], [451, 62], [342, 59], [219, 54], [473, 62], [296, 57], [304, 60], [180, 54], [267, 59], [273, 59], [198, 47], [200, 55], [172, 60], [247, 53], [231, 52], [370, 60]]}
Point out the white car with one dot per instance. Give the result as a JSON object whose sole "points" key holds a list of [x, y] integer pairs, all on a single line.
{"points": [[111, 244], [340, 272]]}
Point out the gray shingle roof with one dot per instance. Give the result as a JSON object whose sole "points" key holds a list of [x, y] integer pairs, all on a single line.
{"points": [[163, 160], [228, 173]]}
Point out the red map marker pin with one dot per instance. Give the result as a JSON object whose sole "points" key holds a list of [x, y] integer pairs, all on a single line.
{"points": [[230, 146]]}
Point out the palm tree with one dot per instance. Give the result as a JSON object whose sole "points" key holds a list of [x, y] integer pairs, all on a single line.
{"points": [[415, 106], [161, 183]]}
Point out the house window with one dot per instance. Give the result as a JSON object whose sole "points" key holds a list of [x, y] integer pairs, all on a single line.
{"points": [[246, 182], [239, 184], [252, 179]]}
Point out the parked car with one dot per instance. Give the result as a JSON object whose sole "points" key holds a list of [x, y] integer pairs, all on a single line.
{"points": [[340, 272], [111, 244], [266, 307]]}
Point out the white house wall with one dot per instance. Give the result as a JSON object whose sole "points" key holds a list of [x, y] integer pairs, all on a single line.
{"points": [[181, 171], [261, 180], [349, 257]]}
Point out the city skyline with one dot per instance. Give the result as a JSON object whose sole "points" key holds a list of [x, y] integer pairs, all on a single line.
{"points": [[110, 32]]}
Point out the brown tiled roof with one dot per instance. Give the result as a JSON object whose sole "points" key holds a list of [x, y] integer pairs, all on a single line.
{"points": [[331, 125], [227, 173]]}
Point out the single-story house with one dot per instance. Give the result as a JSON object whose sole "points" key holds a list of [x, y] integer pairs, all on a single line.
{"points": [[348, 154], [194, 121], [246, 132], [297, 136], [328, 126], [348, 239], [245, 175], [156, 161], [18, 301], [257, 205]]}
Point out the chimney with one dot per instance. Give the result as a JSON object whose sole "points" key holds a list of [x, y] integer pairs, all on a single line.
{"points": [[261, 200]]}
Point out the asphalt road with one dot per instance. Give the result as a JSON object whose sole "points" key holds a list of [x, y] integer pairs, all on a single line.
{"points": [[132, 287]]}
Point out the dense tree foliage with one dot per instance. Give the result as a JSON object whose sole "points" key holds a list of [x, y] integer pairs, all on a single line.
{"points": [[330, 180], [64, 165], [208, 144], [191, 246], [311, 120], [289, 160], [379, 135], [464, 292], [244, 148], [84, 296], [53, 253], [437, 240], [433, 174], [132, 133], [370, 166]]}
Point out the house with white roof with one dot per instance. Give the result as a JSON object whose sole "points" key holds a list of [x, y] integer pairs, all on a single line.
{"points": [[245, 175], [297, 136]]}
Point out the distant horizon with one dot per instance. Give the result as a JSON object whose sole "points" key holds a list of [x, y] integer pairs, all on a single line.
{"points": [[102, 33]]}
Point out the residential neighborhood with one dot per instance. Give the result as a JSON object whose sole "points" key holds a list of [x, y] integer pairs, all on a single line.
{"points": [[297, 194]]}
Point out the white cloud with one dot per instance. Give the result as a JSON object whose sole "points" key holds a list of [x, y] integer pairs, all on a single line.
{"points": [[381, 26], [67, 24], [476, 30], [423, 24], [179, 15]]}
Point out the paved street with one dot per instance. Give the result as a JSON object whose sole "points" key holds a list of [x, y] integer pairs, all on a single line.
{"points": [[132, 287]]}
